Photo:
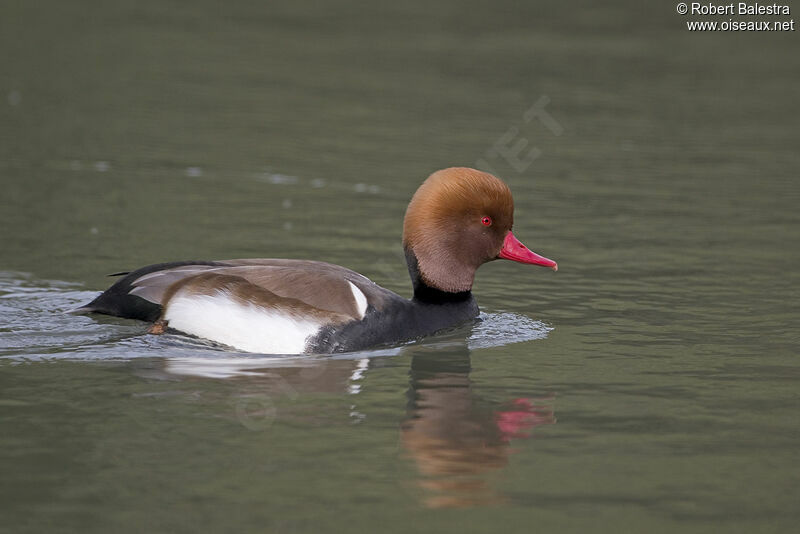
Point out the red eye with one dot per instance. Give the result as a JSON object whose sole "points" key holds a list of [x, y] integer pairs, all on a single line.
{"points": [[486, 221]]}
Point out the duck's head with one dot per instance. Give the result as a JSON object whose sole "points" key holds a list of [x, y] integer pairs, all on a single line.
{"points": [[459, 219]]}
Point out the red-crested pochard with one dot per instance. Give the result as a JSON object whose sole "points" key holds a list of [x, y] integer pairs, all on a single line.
{"points": [[458, 219]]}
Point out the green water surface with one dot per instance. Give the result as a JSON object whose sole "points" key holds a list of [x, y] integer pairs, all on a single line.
{"points": [[651, 385]]}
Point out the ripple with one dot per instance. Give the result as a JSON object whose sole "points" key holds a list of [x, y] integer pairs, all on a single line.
{"points": [[35, 326], [503, 328], [35, 322]]}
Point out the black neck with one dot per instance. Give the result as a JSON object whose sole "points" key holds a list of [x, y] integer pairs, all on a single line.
{"points": [[428, 294]]}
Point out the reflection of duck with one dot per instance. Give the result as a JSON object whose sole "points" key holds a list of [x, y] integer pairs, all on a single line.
{"points": [[456, 441], [258, 386], [458, 219]]}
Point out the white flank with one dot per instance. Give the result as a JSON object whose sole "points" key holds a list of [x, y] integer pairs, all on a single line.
{"points": [[361, 300], [240, 325]]}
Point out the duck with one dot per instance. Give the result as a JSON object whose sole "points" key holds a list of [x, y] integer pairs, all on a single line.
{"points": [[458, 219]]}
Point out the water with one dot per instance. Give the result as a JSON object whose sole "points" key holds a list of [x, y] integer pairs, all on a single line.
{"points": [[650, 385]]}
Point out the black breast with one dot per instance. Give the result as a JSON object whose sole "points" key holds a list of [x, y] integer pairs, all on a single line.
{"points": [[400, 320]]}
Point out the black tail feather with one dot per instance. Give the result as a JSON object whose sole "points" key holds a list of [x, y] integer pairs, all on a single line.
{"points": [[117, 300]]}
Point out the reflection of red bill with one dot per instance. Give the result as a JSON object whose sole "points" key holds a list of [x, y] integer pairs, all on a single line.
{"points": [[524, 416]]}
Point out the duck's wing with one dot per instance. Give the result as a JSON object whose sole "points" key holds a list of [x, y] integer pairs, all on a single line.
{"points": [[310, 285]]}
